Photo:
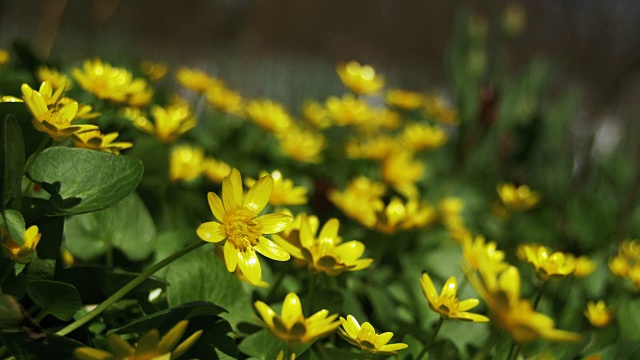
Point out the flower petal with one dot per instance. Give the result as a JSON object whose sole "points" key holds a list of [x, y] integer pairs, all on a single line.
{"points": [[274, 223], [211, 231], [232, 191], [329, 231], [467, 316], [250, 265], [450, 288], [215, 203], [258, 195], [350, 251], [266, 313], [230, 256], [172, 337], [291, 309], [271, 250], [468, 304], [289, 247], [306, 235], [427, 288], [351, 326], [383, 339]]}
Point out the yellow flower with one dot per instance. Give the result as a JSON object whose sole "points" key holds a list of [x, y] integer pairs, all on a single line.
{"points": [[420, 137], [519, 198], [480, 254], [241, 228], [315, 114], [112, 83], [4, 56], [584, 267], [20, 253], [400, 215], [55, 122], [381, 119], [54, 77], [149, 347], [170, 122], [196, 80], [289, 239], [84, 110], [284, 192], [501, 292], [361, 79], [404, 99], [349, 110], [447, 304], [437, 108], [630, 249], [548, 265], [619, 266], [281, 356], [292, 326], [375, 148], [366, 339], [401, 171], [302, 145], [215, 170], [96, 140], [185, 163], [450, 209], [514, 19], [225, 100], [361, 200], [269, 115], [155, 71], [598, 313], [634, 274]]}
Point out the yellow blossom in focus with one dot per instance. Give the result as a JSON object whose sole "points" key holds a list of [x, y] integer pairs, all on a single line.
{"points": [[479, 253], [225, 100], [196, 80], [402, 171], [269, 115], [315, 114], [361, 200], [54, 77], [289, 239], [20, 253], [519, 198], [548, 265], [584, 267], [399, 215], [96, 140], [239, 228], [361, 79], [215, 170], [170, 122], [438, 109], [598, 313], [302, 145], [447, 304], [422, 137], [349, 110], [84, 110], [292, 326], [149, 347], [155, 71], [4, 57], [375, 148], [185, 163], [55, 122], [404, 99], [366, 339], [284, 192]]}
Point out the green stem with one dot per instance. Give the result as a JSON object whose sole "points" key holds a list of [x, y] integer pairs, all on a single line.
{"points": [[513, 347], [127, 288], [275, 286], [32, 158], [313, 283], [539, 296], [427, 345]]}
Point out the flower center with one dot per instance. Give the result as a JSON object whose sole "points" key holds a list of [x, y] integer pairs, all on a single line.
{"points": [[242, 229]]}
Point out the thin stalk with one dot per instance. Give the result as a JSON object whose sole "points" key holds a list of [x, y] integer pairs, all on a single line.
{"points": [[539, 296], [32, 158], [127, 288], [429, 342]]}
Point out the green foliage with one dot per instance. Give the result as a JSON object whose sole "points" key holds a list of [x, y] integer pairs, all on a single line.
{"points": [[55, 298]]}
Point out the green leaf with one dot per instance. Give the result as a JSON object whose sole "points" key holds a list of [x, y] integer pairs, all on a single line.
{"points": [[201, 275], [263, 345], [126, 226], [56, 298], [15, 223], [49, 346], [628, 316], [81, 180], [12, 161]]}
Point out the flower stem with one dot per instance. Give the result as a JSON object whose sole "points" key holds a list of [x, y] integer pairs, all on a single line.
{"points": [[127, 288], [539, 296], [32, 158], [427, 345]]}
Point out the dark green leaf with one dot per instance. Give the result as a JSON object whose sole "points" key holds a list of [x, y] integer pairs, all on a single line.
{"points": [[49, 245], [628, 316], [11, 162], [56, 298], [15, 223], [264, 345], [82, 180], [127, 226], [50, 346]]}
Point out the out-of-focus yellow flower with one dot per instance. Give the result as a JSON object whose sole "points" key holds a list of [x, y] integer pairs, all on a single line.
{"points": [[155, 71], [327, 253], [54, 77], [619, 266], [20, 253], [548, 265], [185, 163], [439, 110], [215, 170], [149, 347], [240, 227], [9, 99], [404, 99], [4, 57], [269, 115], [281, 356], [366, 339], [400, 215], [67, 257], [514, 19], [501, 292], [381, 119], [584, 267], [112, 83], [225, 100], [479, 253], [302, 145], [593, 357], [55, 122], [361, 200], [315, 114], [421, 136], [598, 313], [196, 80], [96, 140], [459, 233], [634, 274], [447, 304], [284, 192], [401, 171], [361, 79], [630, 249], [519, 198], [450, 209], [349, 110], [292, 326], [374, 148], [170, 122]]}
